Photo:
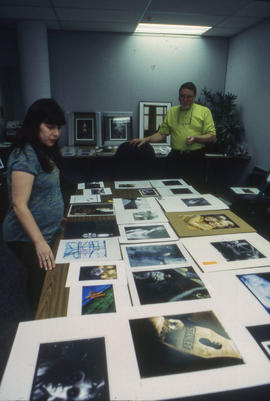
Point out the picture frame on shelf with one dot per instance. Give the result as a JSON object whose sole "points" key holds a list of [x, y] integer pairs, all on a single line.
{"points": [[151, 115], [117, 127], [85, 128]]}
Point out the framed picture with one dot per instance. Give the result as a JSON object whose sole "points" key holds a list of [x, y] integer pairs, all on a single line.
{"points": [[117, 127], [86, 128], [151, 116]]}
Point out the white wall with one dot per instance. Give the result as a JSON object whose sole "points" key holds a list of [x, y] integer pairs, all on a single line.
{"points": [[248, 76], [113, 72]]}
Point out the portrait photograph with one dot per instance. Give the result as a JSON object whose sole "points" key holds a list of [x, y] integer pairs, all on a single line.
{"points": [[171, 344], [259, 285], [169, 285], [71, 371]]}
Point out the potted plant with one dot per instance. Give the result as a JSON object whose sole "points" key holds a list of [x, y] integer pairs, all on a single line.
{"points": [[230, 136]]}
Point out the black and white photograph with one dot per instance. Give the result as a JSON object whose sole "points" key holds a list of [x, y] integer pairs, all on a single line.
{"points": [[237, 250], [165, 183], [93, 185], [229, 251], [146, 233], [138, 203], [118, 128], [84, 129], [171, 344], [132, 184], [91, 229], [259, 285], [191, 202], [261, 334], [196, 202], [93, 209], [134, 212], [148, 192], [145, 215], [71, 370], [177, 190], [154, 255], [245, 190], [169, 285]]}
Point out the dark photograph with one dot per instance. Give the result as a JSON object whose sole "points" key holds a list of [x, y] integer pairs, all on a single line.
{"points": [[179, 191], [93, 209], [259, 285], [261, 335], [205, 222], [98, 272], [237, 250], [166, 345], [171, 182], [196, 202], [84, 129], [169, 285], [98, 299], [91, 229], [148, 192], [93, 184], [72, 371], [137, 203], [118, 128], [152, 255], [146, 232]]}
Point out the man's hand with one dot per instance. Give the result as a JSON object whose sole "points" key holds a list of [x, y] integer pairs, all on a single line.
{"points": [[138, 141], [190, 140]]}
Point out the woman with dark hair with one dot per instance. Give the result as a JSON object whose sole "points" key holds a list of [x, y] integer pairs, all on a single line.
{"points": [[36, 204]]}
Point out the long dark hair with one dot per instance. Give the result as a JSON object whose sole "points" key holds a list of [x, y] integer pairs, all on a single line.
{"points": [[41, 111]]}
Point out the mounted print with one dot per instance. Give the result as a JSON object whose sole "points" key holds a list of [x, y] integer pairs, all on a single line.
{"points": [[86, 128], [151, 117], [117, 127]]}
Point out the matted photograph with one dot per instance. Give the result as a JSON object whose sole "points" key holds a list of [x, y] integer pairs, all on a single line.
{"points": [[168, 182], [91, 185], [89, 273], [91, 229], [86, 128], [97, 191], [82, 249], [148, 192], [231, 251], [177, 190], [259, 285], [261, 335], [84, 199], [146, 233], [97, 299], [245, 190], [166, 285], [172, 344], [117, 127], [151, 116], [132, 184], [171, 254], [75, 358], [193, 202], [123, 204], [71, 370], [92, 209], [207, 223], [140, 216]]}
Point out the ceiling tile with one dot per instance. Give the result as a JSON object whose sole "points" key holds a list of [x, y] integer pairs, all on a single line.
{"points": [[74, 14], [24, 13]]}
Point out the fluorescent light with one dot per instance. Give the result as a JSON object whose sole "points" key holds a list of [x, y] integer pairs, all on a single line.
{"points": [[172, 29]]}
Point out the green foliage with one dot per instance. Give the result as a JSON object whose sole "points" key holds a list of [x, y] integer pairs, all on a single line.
{"points": [[230, 136]]}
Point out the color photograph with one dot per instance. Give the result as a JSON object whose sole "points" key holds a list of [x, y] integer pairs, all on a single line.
{"points": [[98, 272], [154, 255], [98, 299], [169, 285], [71, 370], [167, 345], [261, 335], [207, 222], [259, 285]]}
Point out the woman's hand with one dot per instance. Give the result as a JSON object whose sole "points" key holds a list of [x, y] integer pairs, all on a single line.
{"points": [[45, 255]]}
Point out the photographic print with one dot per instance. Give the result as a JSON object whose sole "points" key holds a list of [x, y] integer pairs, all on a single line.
{"points": [[86, 128], [89, 273], [245, 190], [154, 255], [169, 285], [194, 202], [168, 183], [91, 184], [93, 209], [146, 233], [81, 249], [177, 190], [237, 250], [91, 229], [138, 203], [231, 251], [123, 204], [71, 370], [167, 345], [97, 191], [132, 184], [84, 199], [153, 215], [207, 223], [259, 285], [151, 116], [148, 192], [97, 299], [261, 335], [117, 127]]}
